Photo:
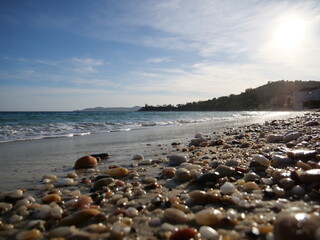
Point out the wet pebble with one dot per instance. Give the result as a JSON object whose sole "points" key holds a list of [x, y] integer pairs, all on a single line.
{"points": [[175, 215], [296, 226], [138, 156], [182, 175], [116, 172], [225, 171], [176, 160], [86, 162], [208, 233], [227, 188], [208, 216]]}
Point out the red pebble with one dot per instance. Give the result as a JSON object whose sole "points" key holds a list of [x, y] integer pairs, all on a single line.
{"points": [[184, 234]]}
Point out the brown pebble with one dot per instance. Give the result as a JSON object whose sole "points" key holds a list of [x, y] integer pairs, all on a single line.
{"points": [[86, 162]]}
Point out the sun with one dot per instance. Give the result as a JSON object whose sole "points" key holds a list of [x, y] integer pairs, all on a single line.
{"points": [[289, 32]]}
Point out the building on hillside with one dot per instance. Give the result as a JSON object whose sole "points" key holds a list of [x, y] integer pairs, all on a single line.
{"points": [[308, 98]]}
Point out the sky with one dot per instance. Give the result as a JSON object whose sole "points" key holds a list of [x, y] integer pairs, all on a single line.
{"points": [[66, 55]]}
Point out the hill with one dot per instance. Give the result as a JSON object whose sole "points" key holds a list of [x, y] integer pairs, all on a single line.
{"points": [[279, 95], [111, 109]]}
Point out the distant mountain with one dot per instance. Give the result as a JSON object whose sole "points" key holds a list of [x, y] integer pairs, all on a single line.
{"points": [[279, 95], [111, 109]]}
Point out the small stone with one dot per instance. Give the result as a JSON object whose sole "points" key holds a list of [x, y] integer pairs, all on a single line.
{"points": [[227, 188], [86, 162], [168, 172], [208, 216], [51, 198], [250, 186], [251, 176], [280, 161], [208, 177], [262, 160], [146, 162], [275, 138], [116, 172], [184, 234], [302, 154], [290, 136], [79, 217], [208, 233], [182, 175], [309, 176], [101, 183], [287, 183], [176, 160], [138, 157], [121, 229], [29, 235], [175, 215], [225, 171], [64, 182], [296, 226]]}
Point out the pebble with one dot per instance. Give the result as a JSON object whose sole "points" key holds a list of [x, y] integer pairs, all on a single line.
{"points": [[251, 176], [51, 198], [29, 235], [302, 154], [86, 162], [176, 160], [79, 217], [275, 138], [138, 156], [208, 216], [175, 215], [227, 188], [62, 182], [290, 136], [250, 186], [184, 234], [208, 233], [116, 172], [309, 176], [280, 161], [225, 171], [262, 160], [182, 175], [296, 226]]}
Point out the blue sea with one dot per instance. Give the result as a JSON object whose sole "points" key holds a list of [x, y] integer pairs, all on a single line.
{"points": [[20, 126]]}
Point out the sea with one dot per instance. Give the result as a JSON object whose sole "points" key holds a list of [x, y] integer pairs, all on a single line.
{"points": [[28, 126]]}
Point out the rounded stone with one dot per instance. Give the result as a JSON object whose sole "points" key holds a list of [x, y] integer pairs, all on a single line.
{"points": [[296, 226], [138, 157], [176, 160], [227, 188], [86, 162], [208, 233], [208, 216], [175, 215], [225, 171]]}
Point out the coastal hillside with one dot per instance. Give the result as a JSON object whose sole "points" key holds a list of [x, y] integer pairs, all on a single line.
{"points": [[279, 95]]}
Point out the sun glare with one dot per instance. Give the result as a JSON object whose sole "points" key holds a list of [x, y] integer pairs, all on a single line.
{"points": [[290, 32]]}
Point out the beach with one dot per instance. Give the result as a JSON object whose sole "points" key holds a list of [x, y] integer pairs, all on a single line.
{"points": [[213, 180]]}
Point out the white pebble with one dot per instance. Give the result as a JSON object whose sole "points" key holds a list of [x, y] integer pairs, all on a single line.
{"points": [[227, 188], [208, 233]]}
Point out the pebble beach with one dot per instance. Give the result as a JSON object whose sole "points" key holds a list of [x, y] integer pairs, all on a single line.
{"points": [[258, 181]]}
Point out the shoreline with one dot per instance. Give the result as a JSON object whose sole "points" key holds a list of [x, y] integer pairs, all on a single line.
{"points": [[166, 194]]}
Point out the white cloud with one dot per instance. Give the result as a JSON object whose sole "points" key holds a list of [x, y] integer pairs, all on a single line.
{"points": [[158, 60], [88, 65]]}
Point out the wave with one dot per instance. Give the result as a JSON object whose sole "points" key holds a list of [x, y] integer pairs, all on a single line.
{"points": [[19, 127]]}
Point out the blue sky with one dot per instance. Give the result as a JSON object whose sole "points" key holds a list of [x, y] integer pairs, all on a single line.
{"points": [[67, 55]]}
